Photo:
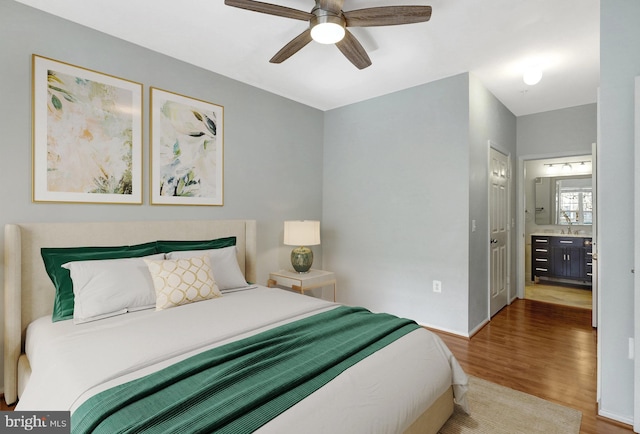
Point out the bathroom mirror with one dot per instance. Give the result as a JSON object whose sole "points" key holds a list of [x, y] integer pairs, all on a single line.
{"points": [[563, 200]]}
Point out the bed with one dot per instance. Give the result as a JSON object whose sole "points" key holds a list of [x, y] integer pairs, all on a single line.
{"points": [[408, 383]]}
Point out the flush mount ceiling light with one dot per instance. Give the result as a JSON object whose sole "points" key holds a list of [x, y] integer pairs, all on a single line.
{"points": [[532, 75]]}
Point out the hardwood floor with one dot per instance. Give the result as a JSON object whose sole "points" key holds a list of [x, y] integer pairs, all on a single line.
{"points": [[544, 349]]}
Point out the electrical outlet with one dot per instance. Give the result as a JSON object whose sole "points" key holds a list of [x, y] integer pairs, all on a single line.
{"points": [[632, 348], [437, 286]]}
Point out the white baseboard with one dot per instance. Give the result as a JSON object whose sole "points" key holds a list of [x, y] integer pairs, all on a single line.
{"points": [[479, 327], [616, 417], [455, 332], [444, 330]]}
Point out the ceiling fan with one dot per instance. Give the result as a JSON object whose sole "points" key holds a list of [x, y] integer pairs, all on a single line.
{"points": [[328, 23]]}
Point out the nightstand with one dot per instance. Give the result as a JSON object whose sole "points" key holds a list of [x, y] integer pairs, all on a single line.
{"points": [[302, 282]]}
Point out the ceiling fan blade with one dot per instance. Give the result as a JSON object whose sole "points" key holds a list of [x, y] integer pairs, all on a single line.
{"points": [[334, 6], [292, 47], [268, 8], [353, 50], [387, 16]]}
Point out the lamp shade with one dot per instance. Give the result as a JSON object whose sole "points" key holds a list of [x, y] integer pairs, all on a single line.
{"points": [[302, 232]]}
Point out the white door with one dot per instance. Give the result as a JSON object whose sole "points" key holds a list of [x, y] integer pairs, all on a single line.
{"points": [[594, 238], [499, 231]]}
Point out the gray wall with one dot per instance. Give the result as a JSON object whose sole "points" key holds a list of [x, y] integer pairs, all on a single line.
{"points": [[401, 174], [273, 146], [489, 120], [569, 131], [619, 64], [396, 202]]}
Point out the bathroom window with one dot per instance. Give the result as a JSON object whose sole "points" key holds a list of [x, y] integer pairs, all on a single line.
{"points": [[575, 205]]}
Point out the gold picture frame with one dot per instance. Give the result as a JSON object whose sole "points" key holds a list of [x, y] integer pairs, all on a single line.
{"points": [[87, 135], [187, 150]]}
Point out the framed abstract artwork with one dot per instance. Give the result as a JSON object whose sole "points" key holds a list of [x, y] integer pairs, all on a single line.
{"points": [[87, 135], [187, 150]]}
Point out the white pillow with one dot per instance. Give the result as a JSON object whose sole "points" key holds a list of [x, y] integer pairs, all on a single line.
{"points": [[224, 264], [182, 281], [108, 287]]}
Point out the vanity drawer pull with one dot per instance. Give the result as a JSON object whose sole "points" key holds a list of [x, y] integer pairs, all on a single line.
{"points": [[590, 253], [541, 259], [589, 274], [566, 241], [542, 250], [541, 269], [543, 240]]}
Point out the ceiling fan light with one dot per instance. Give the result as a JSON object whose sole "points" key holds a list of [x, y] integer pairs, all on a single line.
{"points": [[327, 29]]}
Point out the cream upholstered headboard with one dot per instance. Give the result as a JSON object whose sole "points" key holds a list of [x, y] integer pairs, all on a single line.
{"points": [[29, 293]]}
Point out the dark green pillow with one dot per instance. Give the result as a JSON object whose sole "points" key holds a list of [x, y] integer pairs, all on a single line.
{"points": [[55, 257], [178, 246]]}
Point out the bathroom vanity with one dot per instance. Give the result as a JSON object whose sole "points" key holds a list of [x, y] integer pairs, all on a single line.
{"points": [[561, 258]]}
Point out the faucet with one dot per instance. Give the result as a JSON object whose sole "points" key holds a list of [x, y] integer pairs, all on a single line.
{"points": [[566, 217]]}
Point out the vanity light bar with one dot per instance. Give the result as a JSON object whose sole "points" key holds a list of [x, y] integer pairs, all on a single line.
{"points": [[565, 166], [567, 162]]}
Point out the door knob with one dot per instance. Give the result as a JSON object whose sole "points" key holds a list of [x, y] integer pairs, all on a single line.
{"points": [[494, 241]]}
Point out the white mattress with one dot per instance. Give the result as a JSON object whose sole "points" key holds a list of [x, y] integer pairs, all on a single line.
{"points": [[382, 394]]}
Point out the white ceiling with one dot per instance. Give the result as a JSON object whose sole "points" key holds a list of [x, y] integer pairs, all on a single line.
{"points": [[492, 39]]}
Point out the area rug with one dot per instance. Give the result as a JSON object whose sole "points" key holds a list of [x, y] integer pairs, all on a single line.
{"points": [[499, 410]]}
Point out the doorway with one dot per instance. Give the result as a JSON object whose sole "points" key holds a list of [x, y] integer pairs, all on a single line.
{"points": [[558, 201]]}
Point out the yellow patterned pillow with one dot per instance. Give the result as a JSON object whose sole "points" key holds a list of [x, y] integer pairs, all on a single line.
{"points": [[182, 281]]}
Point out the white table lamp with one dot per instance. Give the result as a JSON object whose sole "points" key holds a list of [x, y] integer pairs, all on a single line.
{"points": [[302, 233]]}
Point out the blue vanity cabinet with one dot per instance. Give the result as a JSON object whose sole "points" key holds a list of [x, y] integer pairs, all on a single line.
{"points": [[568, 257], [561, 258], [540, 256]]}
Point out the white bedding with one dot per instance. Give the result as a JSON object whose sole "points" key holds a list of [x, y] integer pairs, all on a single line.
{"points": [[71, 362]]}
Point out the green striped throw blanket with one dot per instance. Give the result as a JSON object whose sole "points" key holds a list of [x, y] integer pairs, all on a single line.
{"points": [[240, 386]]}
